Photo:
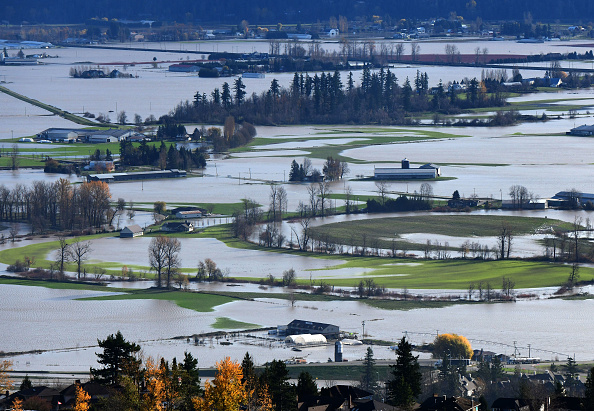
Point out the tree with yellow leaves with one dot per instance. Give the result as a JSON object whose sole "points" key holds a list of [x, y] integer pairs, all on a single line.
{"points": [[452, 345], [5, 381], [17, 405], [227, 392], [81, 399], [155, 387]]}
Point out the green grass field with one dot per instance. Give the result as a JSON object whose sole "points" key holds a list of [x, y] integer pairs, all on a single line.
{"points": [[384, 230], [226, 323], [193, 301]]}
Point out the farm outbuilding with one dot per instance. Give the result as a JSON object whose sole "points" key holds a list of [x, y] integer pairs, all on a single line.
{"points": [[306, 339]]}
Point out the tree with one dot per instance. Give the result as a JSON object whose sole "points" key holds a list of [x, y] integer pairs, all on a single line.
{"points": [[504, 241], [456, 346], [159, 207], [306, 385], [289, 277], [81, 399], [26, 383], [282, 393], [5, 381], [172, 260], [574, 275], [405, 383], [62, 254], [226, 392], [382, 190], [14, 157], [368, 379], [79, 252], [118, 359], [588, 401], [17, 405], [239, 89], [163, 256], [122, 117]]}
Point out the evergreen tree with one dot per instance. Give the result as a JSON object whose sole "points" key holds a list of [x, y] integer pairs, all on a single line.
{"points": [[306, 385], [276, 376], [226, 95], [369, 376], [588, 401], [294, 174], [239, 89], [118, 358], [405, 385]]}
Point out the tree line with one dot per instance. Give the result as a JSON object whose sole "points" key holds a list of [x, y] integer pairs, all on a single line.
{"points": [[164, 158], [325, 99], [58, 205]]}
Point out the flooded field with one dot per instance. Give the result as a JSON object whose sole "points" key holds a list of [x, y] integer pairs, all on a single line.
{"points": [[554, 328], [484, 161]]}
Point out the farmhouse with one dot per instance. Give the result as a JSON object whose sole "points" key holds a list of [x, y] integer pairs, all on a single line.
{"points": [[296, 327], [131, 231], [426, 171]]}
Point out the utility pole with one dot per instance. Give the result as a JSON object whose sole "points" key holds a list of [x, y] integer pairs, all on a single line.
{"points": [[363, 323], [529, 356]]}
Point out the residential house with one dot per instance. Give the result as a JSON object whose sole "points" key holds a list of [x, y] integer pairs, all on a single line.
{"points": [[510, 404], [445, 403], [177, 227]]}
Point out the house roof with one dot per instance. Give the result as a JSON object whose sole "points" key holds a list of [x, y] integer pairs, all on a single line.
{"points": [[310, 325], [444, 403], [134, 228], [509, 403]]}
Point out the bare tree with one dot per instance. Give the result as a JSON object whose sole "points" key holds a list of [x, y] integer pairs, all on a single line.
{"points": [[576, 228], [13, 232], [14, 157], [158, 256], [79, 252], [414, 51], [302, 237], [382, 190], [574, 275], [504, 241], [324, 192], [172, 260], [131, 211], [62, 255], [399, 51], [312, 191]]}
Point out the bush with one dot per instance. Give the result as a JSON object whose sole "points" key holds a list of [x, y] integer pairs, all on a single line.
{"points": [[17, 267]]}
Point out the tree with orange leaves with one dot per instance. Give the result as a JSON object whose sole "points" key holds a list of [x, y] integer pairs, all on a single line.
{"points": [[227, 392], [81, 399], [5, 381], [452, 345], [17, 405], [155, 386]]}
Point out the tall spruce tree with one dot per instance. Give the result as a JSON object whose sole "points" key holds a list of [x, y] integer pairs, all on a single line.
{"points": [[405, 385]]}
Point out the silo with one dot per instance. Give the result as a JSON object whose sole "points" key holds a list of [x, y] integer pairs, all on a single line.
{"points": [[405, 163], [338, 351]]}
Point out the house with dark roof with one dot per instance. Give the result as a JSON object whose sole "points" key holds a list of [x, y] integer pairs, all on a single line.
{"points": [[96, 392], [342, 397], [510, 404], [445, 403], [47, 394], [177, 227], [310, 327]]}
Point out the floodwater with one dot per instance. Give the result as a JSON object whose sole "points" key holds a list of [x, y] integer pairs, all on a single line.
{"points": [[554, 328], [485, 162]]}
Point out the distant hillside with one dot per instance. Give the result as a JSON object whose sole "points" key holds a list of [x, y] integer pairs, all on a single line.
{"points": [[292, 11]]}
